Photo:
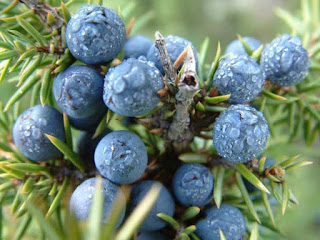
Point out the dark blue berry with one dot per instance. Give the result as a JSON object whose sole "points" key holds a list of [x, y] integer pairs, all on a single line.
{"points": [[284, 61], [29, 132], [89, 123], [131, 88], [227, 218], [193, 185], [152, 236], [241, 76], [240, 133], [86, 145], [164, 204], [121, 157], [81, 199], [175, 46], [95, 34], [137, 46], [78, 91], [251, 188], [236, 47]]}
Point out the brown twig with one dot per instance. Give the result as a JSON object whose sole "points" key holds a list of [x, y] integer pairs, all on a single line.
{"points": [[46, 49], [42, 10], [179, 132], [166, 62]]}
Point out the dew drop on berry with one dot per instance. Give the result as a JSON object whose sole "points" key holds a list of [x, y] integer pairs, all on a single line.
{"points": [[119, 85], [36, 133]]}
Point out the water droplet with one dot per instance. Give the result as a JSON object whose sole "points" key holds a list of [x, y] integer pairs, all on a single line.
{"points": [[119, 85], [250, 140], [234, 133], [26, 133], [76, 25], [128, 100], [36, 133], [43, 122], [257, 131], [286, 61]]}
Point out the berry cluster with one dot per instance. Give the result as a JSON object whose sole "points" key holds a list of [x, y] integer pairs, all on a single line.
{"points": [[95, 35]]}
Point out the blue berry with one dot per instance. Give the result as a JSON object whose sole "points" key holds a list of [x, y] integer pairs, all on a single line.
{"points": [[152, 236], [164, 204], [240, 133], [175, 46], [137, 46], [227, 218], [95, 34], [89, 123], [236, 47], [29, 132], [81, 199], [193, 185], [121, 157], [86, 146], [251, 188], [284, 61], [241, 76], [78, 91], [131, 88]]}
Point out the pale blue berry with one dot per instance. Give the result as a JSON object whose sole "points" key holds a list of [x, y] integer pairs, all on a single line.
{"points": [[240, 133], [175, 46], [193, 185], [82, 198], [121, 157], [29, 132], [164, 204], [137, 46], [240, 76], [236, 46], [95, 34], [285, 61], [227, 218], [78, 91], [131, 88]]}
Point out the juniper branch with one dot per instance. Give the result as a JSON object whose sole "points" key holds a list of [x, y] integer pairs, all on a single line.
{"points": [[179, 132], [42, 10], [47, 49], [170, 73]]}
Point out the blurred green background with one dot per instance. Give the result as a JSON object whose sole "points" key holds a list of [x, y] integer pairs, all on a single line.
{"points": [[221, 21]]}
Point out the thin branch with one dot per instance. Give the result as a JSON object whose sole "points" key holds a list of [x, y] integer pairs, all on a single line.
{"points": [[179, 131], [46, 49], [166, 62], [42, 10]]}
